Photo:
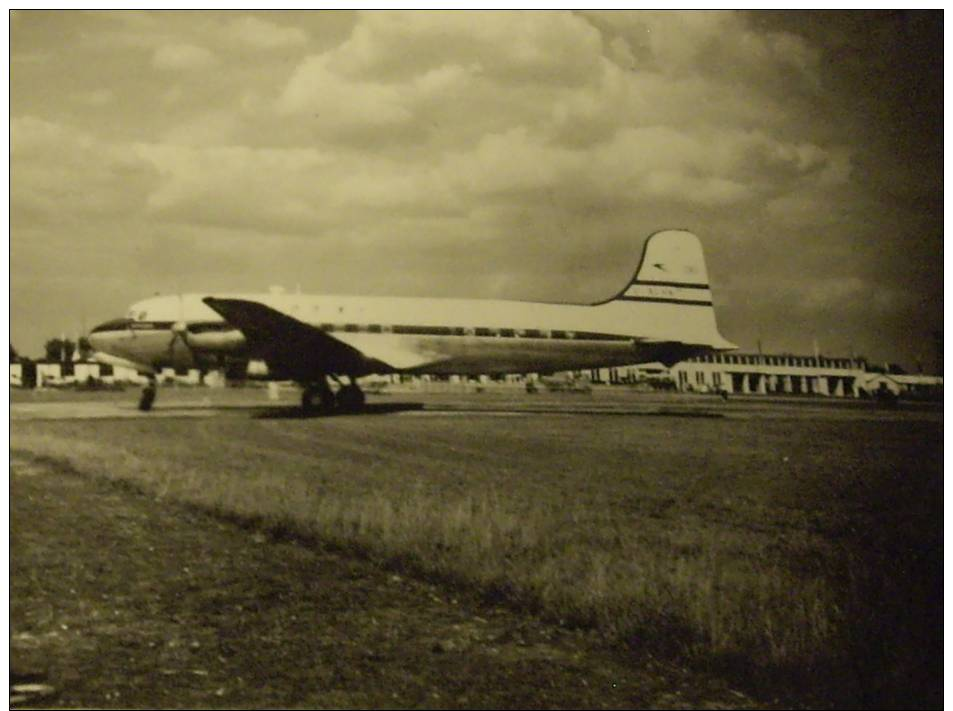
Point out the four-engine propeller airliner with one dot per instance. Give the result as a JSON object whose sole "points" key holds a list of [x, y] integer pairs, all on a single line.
{"points": [[664, 314]]}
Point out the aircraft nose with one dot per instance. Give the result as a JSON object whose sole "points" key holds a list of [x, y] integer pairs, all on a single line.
{"points": [[103, 335]]}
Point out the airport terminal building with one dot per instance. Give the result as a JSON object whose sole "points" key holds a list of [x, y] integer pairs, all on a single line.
{"points": [[770, 374]]}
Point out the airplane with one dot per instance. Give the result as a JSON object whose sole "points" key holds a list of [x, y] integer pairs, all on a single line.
{"points": [[663, 314]]}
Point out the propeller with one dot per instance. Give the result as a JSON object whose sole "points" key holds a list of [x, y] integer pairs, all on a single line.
{"points": [[180, 332]]}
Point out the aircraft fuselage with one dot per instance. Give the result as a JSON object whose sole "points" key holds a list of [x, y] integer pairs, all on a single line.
{"points": [[460, 336], [664, 313]]}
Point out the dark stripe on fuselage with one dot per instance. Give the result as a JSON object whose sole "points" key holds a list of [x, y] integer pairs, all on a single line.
{"points": [[151, 325], [117, 324], [659, 300], [127, 324], [678, 284]]}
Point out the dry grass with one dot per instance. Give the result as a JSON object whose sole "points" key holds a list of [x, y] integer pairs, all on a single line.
{"points": [[729, 566]]}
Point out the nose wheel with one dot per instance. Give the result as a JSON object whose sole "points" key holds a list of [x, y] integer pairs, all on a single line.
{"points": [[148, 395]]}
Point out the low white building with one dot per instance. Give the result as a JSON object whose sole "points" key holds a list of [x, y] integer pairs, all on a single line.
{"points": [[49, 374], [871, 384], [768, 373], [786, 374]]}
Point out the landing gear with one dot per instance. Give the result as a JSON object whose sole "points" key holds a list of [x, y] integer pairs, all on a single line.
{"points": [[148, 395], [349, 398], [322, 391]]}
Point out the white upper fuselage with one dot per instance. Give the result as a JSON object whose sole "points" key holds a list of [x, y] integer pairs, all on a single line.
{"points": [[432, 335]]}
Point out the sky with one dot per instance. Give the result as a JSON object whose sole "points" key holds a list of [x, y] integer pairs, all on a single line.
{"points": [[483, 154]]}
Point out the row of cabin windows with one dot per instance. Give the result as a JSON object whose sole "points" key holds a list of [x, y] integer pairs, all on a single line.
{"points": [[461, 331], [790, 361]]}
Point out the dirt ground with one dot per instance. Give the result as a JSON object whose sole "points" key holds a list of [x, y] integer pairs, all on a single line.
{"points": [[121, 601]]}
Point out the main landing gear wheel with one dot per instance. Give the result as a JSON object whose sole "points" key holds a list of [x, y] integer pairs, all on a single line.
{"points": [[325, 397], [148, 395], [350, 398]]}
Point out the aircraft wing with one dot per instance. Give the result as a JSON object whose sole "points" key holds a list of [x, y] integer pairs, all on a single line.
{"points": [[302, 351], [287, 344]]}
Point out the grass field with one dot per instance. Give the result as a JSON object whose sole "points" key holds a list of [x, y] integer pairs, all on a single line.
{"points": [[797, 549]]}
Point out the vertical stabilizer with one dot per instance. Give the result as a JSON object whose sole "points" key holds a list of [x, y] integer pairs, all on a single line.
{"points": [[672, 270], [669, 295]]}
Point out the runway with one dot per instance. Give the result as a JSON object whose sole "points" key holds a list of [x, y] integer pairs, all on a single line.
{"points": [[610, 402]]}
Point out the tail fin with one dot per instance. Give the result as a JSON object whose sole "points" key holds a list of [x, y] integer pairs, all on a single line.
{"points": [[668, 301], [672, 271]]}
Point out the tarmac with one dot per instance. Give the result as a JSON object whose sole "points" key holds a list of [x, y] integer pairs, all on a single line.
{"points": [[619, 402]]}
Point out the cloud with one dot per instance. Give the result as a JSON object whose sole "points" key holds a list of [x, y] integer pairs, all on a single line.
{"points": [[825, 293], [456, 70], [315, 88], [96, 97], [714, 168], [466, 113], [235, 186], [261, 34], [718, 44], [182, 57], [511, 47], [212, 128], [62, 174]]}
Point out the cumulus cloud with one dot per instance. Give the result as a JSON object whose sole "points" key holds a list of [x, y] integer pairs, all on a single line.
{"points": [[315, 88], [62, 173], [711, 42], [472, 109], [827, 292], [235, 186], [96, 97], [212, 128], [180, 57], [255, 32], [548, 47]]}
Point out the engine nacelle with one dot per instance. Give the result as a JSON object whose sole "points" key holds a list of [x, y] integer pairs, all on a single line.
{"points": [[215, 341]]}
